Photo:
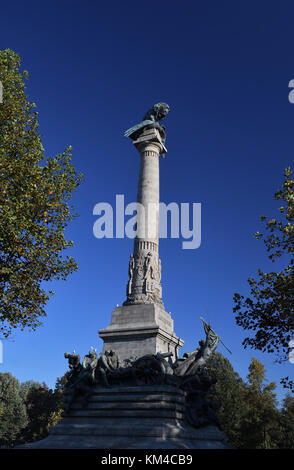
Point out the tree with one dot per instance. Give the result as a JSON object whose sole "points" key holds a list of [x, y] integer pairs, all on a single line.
{"points": [[260, 423], [44, 408], [13, 411], [269, 312], [246, 411], [62, 381], [226, 396], [34, 206], [287, 423]]}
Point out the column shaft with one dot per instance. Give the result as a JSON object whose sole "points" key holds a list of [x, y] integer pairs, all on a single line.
{"points": [[145, 266]]}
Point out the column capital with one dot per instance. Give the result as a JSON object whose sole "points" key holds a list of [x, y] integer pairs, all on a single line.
{"points": [[150, 137]]}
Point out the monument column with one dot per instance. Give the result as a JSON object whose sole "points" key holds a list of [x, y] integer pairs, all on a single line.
{"points": [[142, 326], [145, 266]]}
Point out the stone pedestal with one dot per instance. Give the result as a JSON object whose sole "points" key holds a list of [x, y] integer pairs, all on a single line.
{"points": [[136, 330], [150, 417]]}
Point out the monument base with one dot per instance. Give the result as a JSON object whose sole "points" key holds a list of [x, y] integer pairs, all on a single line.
{"points": [[137, 330], [149, 417]]}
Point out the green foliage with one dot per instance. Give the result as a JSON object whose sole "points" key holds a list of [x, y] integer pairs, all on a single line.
{"points": [[256, 375], [226, 396], [44, 408], [13, 416], [34, 206], [287, 423], [269, 312], [247, 411], [62, 381], [260, 422]]}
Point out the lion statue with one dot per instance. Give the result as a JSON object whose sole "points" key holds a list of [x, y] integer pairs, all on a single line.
{"points": [[150, 121]]}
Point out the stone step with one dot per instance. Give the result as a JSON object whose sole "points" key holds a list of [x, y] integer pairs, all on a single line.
{"points": [[154, 436], [115, 398], [138, 390], [151, 430], [150, 417], [123, 413], [160, 405]]}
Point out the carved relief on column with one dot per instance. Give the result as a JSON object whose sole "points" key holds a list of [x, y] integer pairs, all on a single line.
{"points": [[131, 274], [144, 279]]}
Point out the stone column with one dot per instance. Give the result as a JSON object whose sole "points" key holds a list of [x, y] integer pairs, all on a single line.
{"points": [[142, 326], [145, 266]]}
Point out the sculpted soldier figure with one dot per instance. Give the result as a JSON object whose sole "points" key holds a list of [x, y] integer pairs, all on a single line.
{"points": [[159, 271], [131, 274], [114, 370], [73, 364], [194, 361], [131, 267], [82, 384], [148, 267], [108, 363], [195, 380]]}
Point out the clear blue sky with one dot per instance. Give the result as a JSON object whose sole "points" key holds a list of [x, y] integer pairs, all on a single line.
{"points": [[95, 68]]}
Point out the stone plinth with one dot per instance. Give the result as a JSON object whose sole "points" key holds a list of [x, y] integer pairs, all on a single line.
{"points": [[149, 417], [136, 330]]}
